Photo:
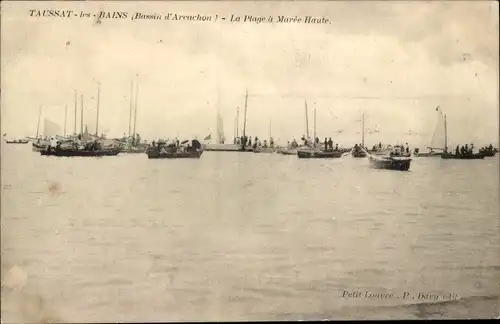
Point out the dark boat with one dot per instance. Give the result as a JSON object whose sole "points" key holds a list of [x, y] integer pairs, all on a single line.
{"points": [[306, 154], [153, 154], [358, 151], [173, 151], [390, 162], [81, 153], [476, 156]]}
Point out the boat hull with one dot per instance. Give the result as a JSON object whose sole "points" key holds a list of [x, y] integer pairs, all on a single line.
{"points": [[80, 153], [175, 155], [449, 156], [488, 154], [359, 154], [318, 155], [390, 163], [264, 150]]}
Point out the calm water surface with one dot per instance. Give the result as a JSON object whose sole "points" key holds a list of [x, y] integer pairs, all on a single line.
{"points": [[238, 236]]}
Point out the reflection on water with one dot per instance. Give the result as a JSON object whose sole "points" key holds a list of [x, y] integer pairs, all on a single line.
{"points": [[236, 236]]}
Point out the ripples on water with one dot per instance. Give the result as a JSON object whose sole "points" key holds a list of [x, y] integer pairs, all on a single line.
{"points": [[237, 236]]}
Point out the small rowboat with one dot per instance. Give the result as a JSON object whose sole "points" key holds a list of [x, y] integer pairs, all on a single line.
{"points": [[19, 141], [389, 163], [309, 154]]}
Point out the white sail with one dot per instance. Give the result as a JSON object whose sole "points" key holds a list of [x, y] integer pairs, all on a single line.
{"points": [[50, 128], [220, 129], [438, 138]]}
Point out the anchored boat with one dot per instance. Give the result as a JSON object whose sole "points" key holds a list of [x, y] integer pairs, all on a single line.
{"points": [[474, 156], [81, 153], [17, 141], [175, 155], [439, 140], [397, 163], [312, 154], [173, 151], [395, 160], [356, 151]]}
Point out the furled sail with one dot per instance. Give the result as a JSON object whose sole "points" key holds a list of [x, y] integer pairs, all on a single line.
{"points": [[50, 128], [438, 138]]}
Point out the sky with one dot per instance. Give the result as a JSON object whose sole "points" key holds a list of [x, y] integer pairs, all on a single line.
{"points": [[394, 62]]}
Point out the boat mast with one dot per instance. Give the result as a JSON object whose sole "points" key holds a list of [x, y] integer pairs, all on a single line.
{"points": [[237, 121], [76, 107], [270, 131], [245, 114], [38, 123], [136, 96], [81, 115], [314, 139], [97, 118], [363, 130], [218, 119], [445, 135], [65, 118], [130, 111], [307, 121]]}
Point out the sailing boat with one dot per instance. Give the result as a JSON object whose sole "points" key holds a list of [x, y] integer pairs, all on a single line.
{"points": [[356, 151], [439, 140], [132, 142], [50, 129], [316, 152], [17, 141], [293, 148], [221, 146]]}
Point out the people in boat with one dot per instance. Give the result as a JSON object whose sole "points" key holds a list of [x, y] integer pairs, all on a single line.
{"points": [[265, 144], [294, 144], [195, 144], [271, 142], [330, 144], [325, 143]]}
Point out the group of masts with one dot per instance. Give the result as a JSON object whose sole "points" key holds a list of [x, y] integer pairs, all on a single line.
{"points": [[133, 106]]}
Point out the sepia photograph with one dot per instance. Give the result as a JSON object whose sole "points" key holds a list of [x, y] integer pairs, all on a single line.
{"points": [[175, 161]]}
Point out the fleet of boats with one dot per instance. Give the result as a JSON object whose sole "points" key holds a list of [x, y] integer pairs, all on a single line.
{"points": [[84, 144]]}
